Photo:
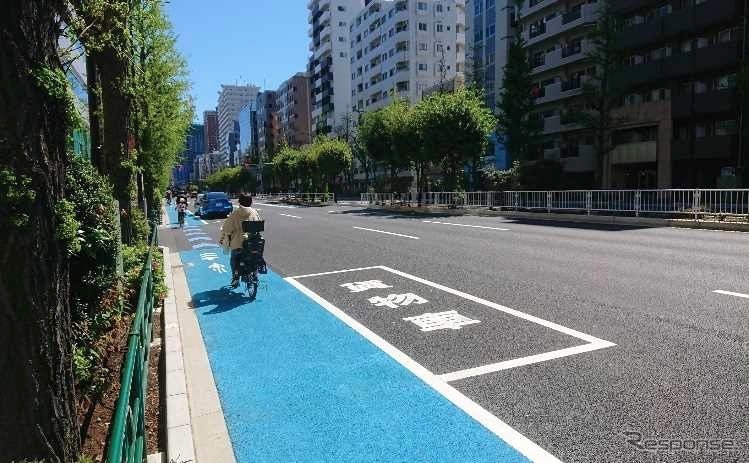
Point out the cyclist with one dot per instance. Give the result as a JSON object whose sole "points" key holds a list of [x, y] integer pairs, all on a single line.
{"points": [[232, 234], [181, 209]]}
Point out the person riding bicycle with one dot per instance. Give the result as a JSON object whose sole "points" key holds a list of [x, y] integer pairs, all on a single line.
{"points": [[232, 233], [181, 209]]}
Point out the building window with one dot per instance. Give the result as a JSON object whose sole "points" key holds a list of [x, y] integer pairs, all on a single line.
{"points": [[342, 23], [422, 67], [423, 46], [422, 6], [440, 27], [438, 8], [341, 8], [423, 27]]}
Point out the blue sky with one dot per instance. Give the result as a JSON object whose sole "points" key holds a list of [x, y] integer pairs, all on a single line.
{"points": [[263, 42]]}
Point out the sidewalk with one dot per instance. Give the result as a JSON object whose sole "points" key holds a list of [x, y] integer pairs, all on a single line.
{"points": [[581, 218]]}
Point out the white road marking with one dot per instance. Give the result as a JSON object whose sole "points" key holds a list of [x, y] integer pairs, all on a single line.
{"points": [[521, 443], [201, 220], [506, 365], [388, 233], [465, 225], [334, 272], [277, 205], [292, 216], [200, 238], [501, 308], [731, 293], [204, 245]]}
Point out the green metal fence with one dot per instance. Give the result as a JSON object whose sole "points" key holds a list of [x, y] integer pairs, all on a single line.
{"points": [[127, 440]]}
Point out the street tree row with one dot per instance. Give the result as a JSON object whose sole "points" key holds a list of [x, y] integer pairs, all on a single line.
{"points": [[311, 168], [444, 130]]}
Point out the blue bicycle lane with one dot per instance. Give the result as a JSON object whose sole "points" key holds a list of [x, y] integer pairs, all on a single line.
{"points": [[296, 384]]}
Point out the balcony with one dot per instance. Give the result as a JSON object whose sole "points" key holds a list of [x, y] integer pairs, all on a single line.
{"points": [[588, 13], [712, 147], [531, 6], [560, 90], [717, 101], [556, 124], [561, 56], [703, 60], [706, 15]]}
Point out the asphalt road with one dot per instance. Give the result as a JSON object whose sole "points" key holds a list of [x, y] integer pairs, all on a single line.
{"points": [[673, 359]]}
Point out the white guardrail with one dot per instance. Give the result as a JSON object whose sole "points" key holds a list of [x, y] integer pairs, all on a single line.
{"points": [[694, 202], [297, 197]]}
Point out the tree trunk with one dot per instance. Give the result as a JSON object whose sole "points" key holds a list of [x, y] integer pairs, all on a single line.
{"points": [[37, 401], [117, 162], [94, 112]]}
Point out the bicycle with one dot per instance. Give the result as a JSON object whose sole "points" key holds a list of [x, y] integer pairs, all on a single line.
{"points": [[181, 218], [251, 261]]}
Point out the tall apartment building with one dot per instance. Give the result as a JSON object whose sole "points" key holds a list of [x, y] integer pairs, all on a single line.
{"points": [[235, 156], [210, 134], [556, 37], [267, 122], [194, 144], [247, 129], [679, 123], [405, 47], [329, 66], [294, 118], [230, 100], [489, 27]]}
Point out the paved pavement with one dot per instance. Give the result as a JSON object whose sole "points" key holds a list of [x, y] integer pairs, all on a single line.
{"points": [[582, 341]]}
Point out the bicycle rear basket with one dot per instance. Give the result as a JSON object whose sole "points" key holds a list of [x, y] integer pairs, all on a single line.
{"points": [[253, 226]]}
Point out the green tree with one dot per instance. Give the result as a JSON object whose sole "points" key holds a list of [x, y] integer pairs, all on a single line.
{"points": [[454, 128], [104, 28], [332, 156], [39, 230], [518, 128], [406, 143], [375, 139], [602, 91], [163, 111]]}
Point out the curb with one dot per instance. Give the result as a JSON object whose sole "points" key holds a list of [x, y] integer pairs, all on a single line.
{"points": [[595, 219], [179, 440]]}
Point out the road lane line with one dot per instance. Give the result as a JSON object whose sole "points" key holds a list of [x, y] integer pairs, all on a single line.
{"points": [[465, 225], [388, 233], [522, 361], [731, 293], [292, 216], [334, 272], [498, 427], [277, 205]]}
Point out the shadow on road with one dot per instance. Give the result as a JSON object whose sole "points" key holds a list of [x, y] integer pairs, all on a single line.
{"points": [[574, 224], [224, 299], [393, 215]]}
